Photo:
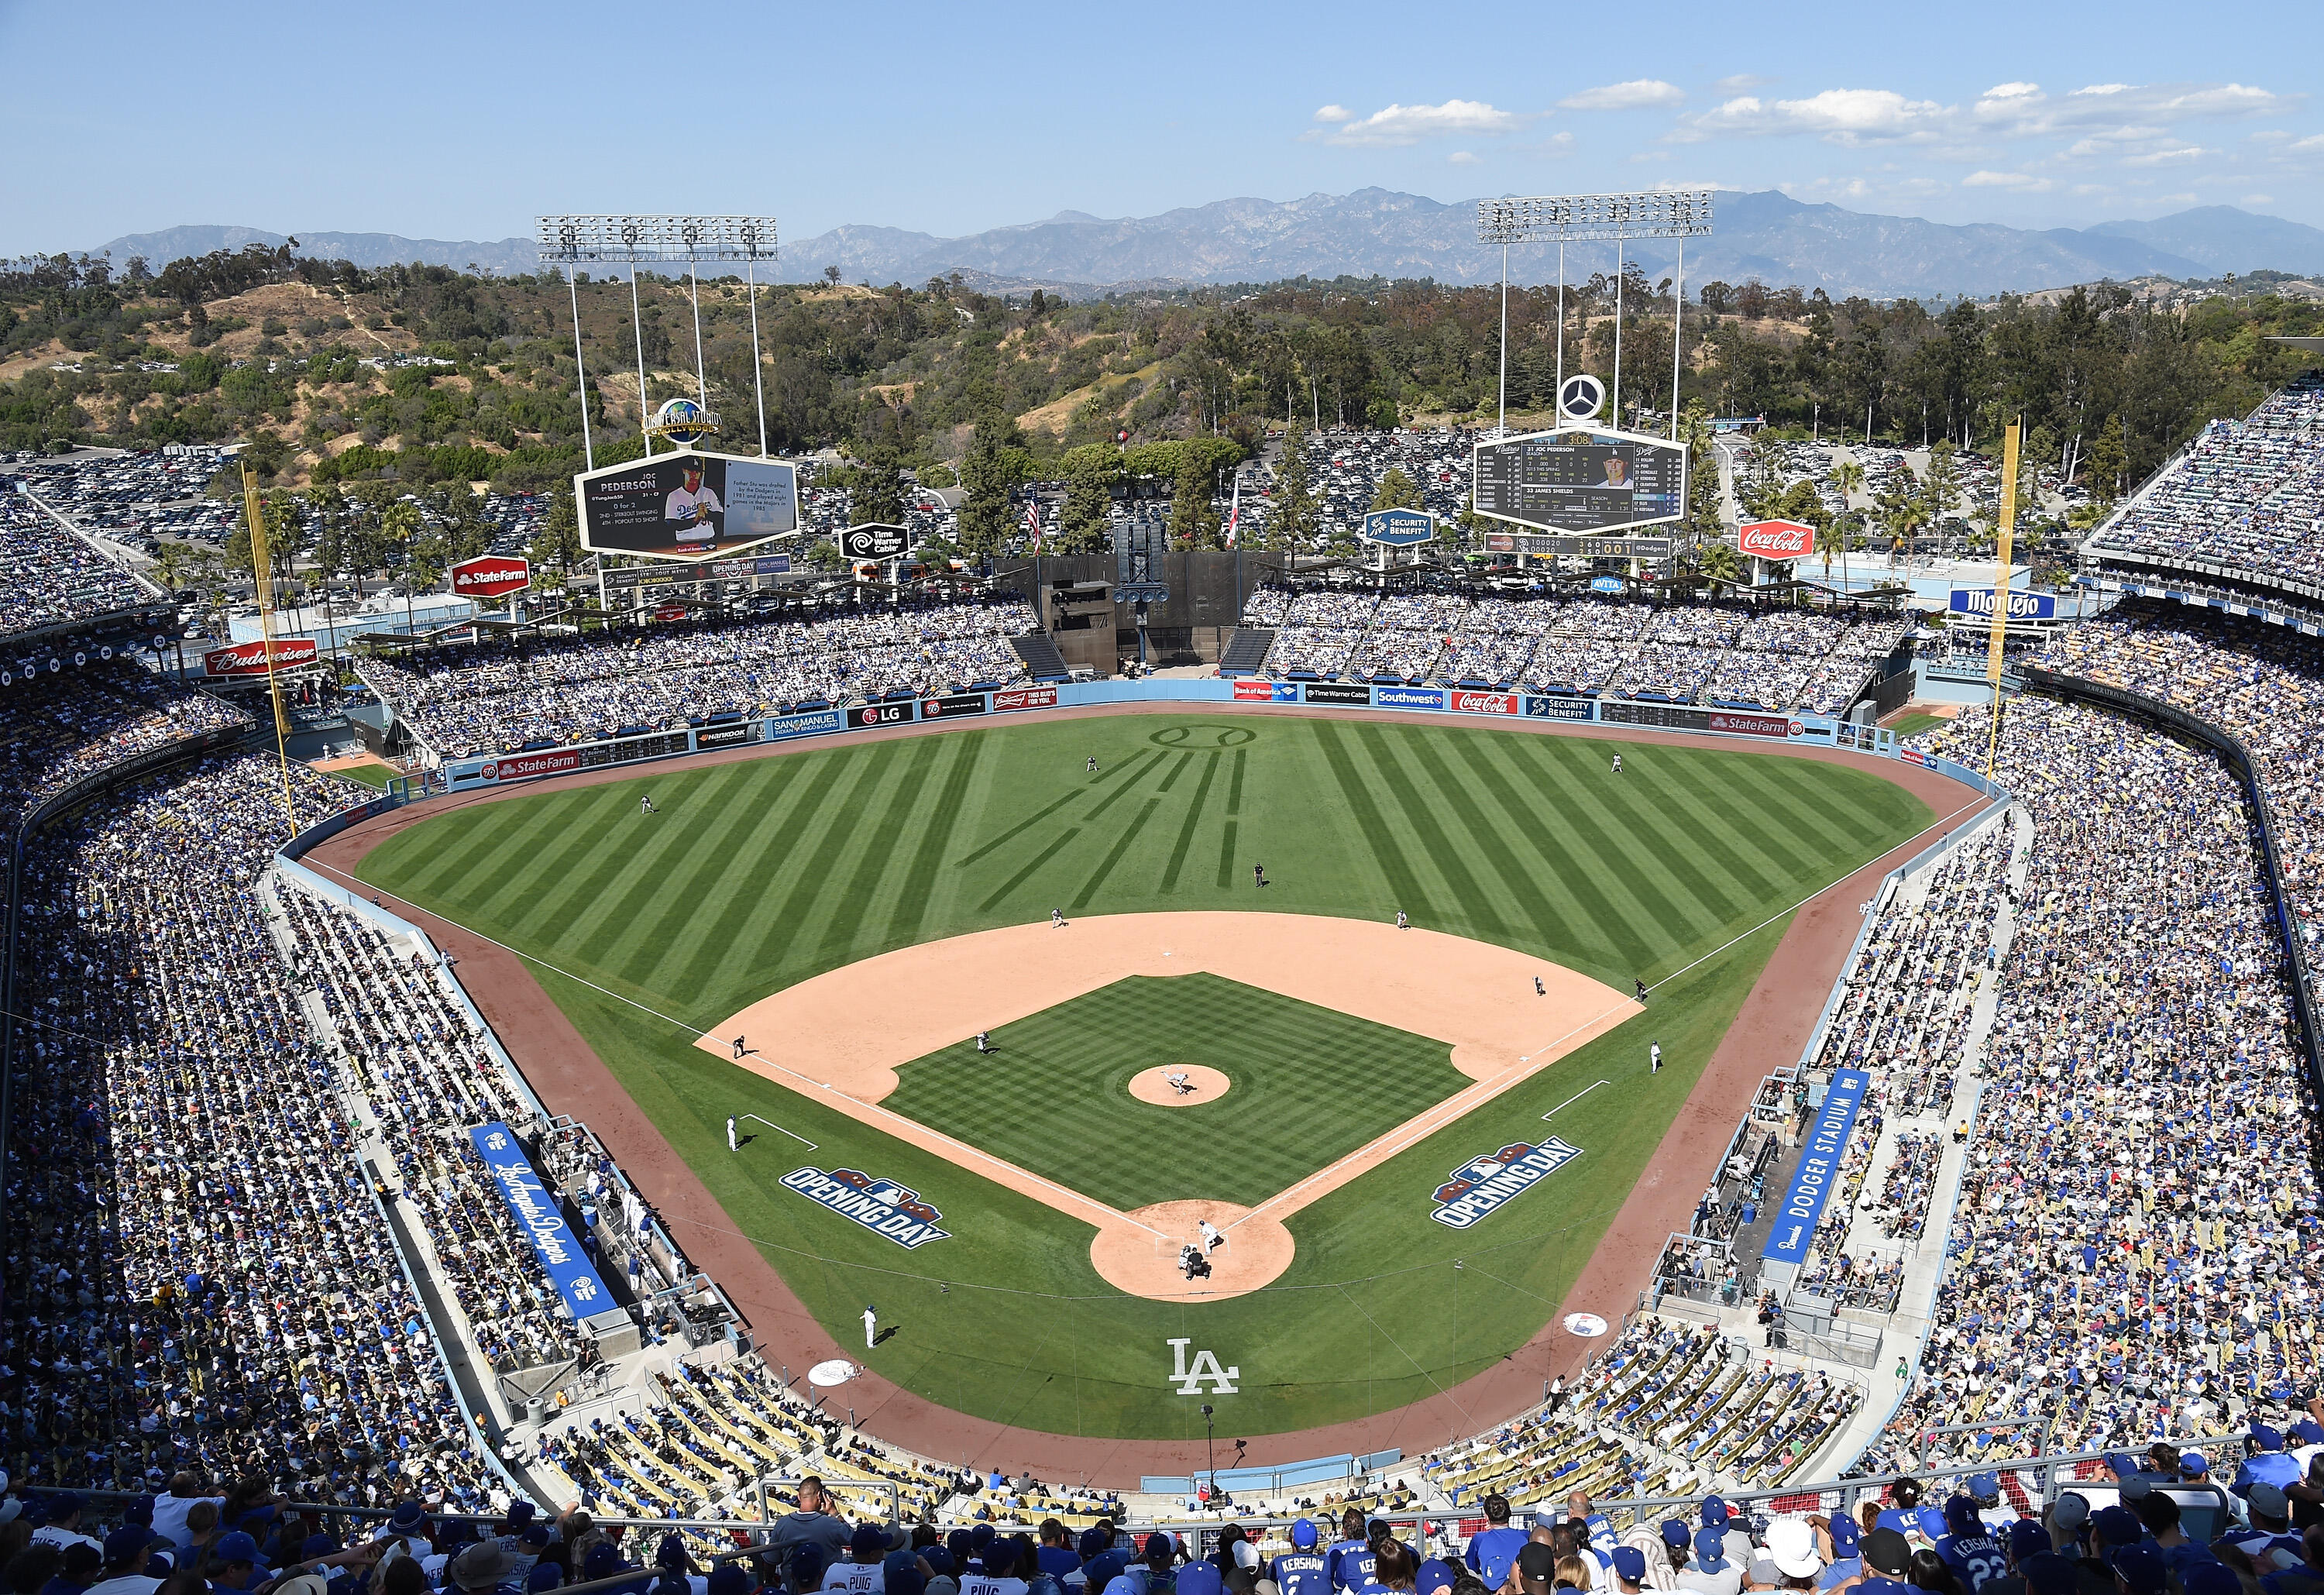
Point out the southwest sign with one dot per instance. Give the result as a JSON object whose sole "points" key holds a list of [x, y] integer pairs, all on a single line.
{"points": [[490, 576], [249, 659], [1776, 540]]}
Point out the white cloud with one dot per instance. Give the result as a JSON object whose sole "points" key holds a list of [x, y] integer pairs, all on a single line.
{"points": [[2314, 141], [2178, 157], [1838, 115], [2020, 182], [1463, 158], [2009, 91], [1335, 113], [2092, 88], [1400, 124], [1638, 94], [1741, 83]]}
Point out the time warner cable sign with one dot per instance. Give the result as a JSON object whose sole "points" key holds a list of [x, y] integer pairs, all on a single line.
{"points": [[561, 1255], [1796, 1221]]}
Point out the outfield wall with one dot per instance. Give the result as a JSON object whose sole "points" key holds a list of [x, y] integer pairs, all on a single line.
{"points": [[1821, 731]]}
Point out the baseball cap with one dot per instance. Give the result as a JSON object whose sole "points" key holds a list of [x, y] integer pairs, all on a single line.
{"points": [[2118, 1525], [1960, 1514], [671, 1552], [2049, 1574], [1199, 1578], [65, 1503], [728, 1579], [805, 1569], [1885, 1551], [1303, 1535], [1435, 1573], [1714, 1512], [940, 1562], [1538, 1562], [238, 1546], [2267, 1501], [2195, 1462], [904, 1581], [605, 1559], [1792, 1547], [1846, 1533], [867, 1543], [125, 1542], [981, 1536], [1161, 1538], [2070, 1510], [546, 1575], [2141, 1567], [1930, 1522], [140, 1510], [1676, 1534], [2121, 1463], [535, 1536], [1630, 1562], [1710, 1548], [312, 1546], [2266, 1438], [2207, 1576], [2027, 1538], [1984, 1487], [2307, 1431]]}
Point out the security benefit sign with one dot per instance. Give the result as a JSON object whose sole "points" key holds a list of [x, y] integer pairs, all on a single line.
{"points": [[693, 505], [562, 1257], [1804, 1203], [1482, 1186], [889, 1210], [1398, 529]]}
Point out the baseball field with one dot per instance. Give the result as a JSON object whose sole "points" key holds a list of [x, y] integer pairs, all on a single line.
{"points": [[1346, 1088]]}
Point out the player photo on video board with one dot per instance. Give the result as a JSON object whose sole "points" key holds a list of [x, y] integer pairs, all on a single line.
{"points": [[686, 506]]}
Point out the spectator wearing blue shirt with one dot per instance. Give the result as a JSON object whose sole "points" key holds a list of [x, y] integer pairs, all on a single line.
{"points": [[1300, 1570], [2266, 1464], [1491, 1553]]}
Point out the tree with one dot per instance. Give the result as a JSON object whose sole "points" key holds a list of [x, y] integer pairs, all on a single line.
{"points": [[1292, 515], [173, 564], [984, 514], [1902, 513], [877, 495], [557, 546], [1397, 491], [401, 527], [2109, 462], [1085, 526], [1941, 484], [1719, 560], [1848, 477], [1194, 524]]}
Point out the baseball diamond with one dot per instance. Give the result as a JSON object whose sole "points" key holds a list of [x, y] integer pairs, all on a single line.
{"points": [[767, 889]]}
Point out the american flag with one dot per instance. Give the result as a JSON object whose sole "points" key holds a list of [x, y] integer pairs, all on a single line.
{"points": [[1033, 520]]}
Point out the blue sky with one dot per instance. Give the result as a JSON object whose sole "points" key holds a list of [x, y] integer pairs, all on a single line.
{"points": [[464, 121]]}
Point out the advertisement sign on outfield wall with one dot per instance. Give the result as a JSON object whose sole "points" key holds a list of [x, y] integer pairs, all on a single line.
{"points": [[1010, 700], [953, 706], [249, 659], [1338, 691], [863, 715], [726, 736], [516, 767], [1485, 703], [1249, 689], [1538, 708], [1408, 698], [813, 723]]}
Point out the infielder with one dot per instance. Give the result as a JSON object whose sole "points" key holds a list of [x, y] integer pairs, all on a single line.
{"points": [[1056, 919], [1401, 922], [731, 1144], [871, 1328], [738, 1048], [984, 1041], [1654, 1058], [1538, 989]]}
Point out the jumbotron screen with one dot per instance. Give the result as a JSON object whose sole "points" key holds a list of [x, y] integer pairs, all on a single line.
{"points": [[693, 505], [1579, 482]]}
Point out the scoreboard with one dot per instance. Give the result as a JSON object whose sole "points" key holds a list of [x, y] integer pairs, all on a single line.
{"points": [[1582, 481]]}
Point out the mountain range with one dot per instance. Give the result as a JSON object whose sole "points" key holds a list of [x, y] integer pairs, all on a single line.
{"points": [[1375, 232]]}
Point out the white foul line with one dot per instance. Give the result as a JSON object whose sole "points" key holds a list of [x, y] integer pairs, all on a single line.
{"points": [[778, 1129], [1576, 1097]]}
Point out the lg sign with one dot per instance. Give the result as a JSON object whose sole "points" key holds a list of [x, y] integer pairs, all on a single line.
{"points": [[1778, 539], [490, 576]]}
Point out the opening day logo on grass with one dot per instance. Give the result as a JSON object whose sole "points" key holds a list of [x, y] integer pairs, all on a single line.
{"points": [[1484, 1185], [887, 1208]]}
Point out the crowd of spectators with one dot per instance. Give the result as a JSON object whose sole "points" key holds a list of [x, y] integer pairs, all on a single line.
{"points": [[65, 724], [496, 695], [2135, 1250], [50, 577], [2248, 493], [1785, 659]]}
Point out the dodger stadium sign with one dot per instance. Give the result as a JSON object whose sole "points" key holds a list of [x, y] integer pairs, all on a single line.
{"points": [[1484, 1185], [892, 1212]]}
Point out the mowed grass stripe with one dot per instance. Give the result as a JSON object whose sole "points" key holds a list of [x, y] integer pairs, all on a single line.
{"points": [[1194, 810], [1130, 834], [1019, 828], [607, 935], [761, 855], [701, 883], [1488, 885], [1570, 893], [1148, 767], [1441, 848], [486, 829], [919, 882], [834, 815], [1707, 815], [1056, 844], [1227, 861], [1499, 844], [1404, 885], [1754, 821], [1656, 924], [1631, 803]]}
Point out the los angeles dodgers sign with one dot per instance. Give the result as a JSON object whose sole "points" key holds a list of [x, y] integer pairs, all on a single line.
{"points": [[1484, 1185], [892, 1212]]}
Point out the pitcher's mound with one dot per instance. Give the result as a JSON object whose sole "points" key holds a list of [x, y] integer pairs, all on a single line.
{"points": [[1203, 1085], [1140, 1256]]}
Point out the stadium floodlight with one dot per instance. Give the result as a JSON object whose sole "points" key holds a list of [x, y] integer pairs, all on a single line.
{"points": [[1595, 218], [570, 240]]}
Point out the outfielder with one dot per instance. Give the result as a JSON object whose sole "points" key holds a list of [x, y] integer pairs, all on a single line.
{"points": [[645, 804], [871, 1328], [1093, 764], [731, 1144], [1618, 764], [1654, 1058]]}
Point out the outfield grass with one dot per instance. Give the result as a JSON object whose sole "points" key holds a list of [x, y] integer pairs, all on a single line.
{"points": [[759, 874], [1310, 1086], [376, 776]]}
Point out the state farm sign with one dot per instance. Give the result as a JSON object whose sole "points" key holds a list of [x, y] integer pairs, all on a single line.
{"points": [[1778, 539], [517, 767], [490, 576], [249, 659]]}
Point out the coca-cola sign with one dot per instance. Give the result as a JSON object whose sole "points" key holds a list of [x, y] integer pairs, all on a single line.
{"points": [[490, 576], [1778, 539]]}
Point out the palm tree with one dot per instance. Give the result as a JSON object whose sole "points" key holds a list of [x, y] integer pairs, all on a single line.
{"points": [[172, 564], [1719, 561], [399, 524]]}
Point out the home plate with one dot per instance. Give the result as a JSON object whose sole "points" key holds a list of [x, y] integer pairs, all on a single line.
{"points": [[837, 1371]]}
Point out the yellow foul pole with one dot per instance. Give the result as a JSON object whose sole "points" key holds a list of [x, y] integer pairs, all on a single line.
{"points": [[261, 567], [2007, 526]]}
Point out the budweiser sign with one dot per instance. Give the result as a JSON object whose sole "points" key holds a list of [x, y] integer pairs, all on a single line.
{"points": [[1778, 539], [490, 576], [249, 659], [1024, 697]]}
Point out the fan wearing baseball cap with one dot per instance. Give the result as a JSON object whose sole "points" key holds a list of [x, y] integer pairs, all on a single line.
{"points": [[1711, 1573], [1888, 1561], [1967, 1548], [1629, 1568], [1300, 1570]]}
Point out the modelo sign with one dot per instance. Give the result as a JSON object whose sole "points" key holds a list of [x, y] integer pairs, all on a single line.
{"points": [[2023, 607], [1398, 529], [490, 576], [249, 659], [1776, 540]]}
